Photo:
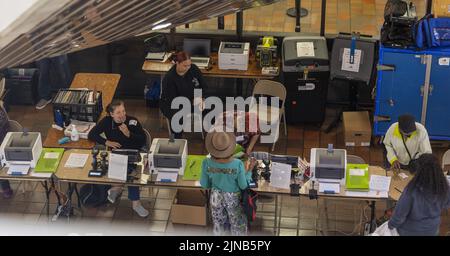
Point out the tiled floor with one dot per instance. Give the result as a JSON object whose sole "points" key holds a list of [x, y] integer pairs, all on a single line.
{"points": [[364, 16], [344, 216]]}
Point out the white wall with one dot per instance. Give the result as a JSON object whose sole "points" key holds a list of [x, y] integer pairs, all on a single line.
{"points": [[10, 10]]}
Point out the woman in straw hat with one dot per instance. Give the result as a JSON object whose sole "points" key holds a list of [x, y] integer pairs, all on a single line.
{"points": [[226, 177]]}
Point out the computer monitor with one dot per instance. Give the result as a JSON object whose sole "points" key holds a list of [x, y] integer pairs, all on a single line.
{"points": [[197, 47]]}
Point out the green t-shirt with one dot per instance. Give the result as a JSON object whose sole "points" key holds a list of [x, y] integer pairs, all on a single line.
{"points": [[227, 177]]}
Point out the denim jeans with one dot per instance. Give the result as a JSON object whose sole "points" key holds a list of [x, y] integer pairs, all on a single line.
{"points": [[4, 184], [61, 67], [133, 193]]}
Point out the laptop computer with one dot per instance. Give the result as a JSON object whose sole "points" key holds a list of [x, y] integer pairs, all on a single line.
{"points": [[199, 50]]}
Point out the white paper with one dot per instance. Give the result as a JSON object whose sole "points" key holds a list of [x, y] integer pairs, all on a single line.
{"points": [[18, 169], [305, 49], [281, 175], [444, 61], [167, 176], [402, 175], [76, 160], [357, 172], [326, 186], [118, 165], [41, 174], [346, 65], [372, 194], [240, 138], [197, 183], [51, 155], [379, 183]]}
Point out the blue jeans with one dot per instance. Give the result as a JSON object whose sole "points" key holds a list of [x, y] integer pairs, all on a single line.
{"points": [[61, 67], [133, 193], [4, 184]]}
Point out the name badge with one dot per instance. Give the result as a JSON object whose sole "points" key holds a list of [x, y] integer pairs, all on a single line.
{"points": [[133, 122], [240, 138]]}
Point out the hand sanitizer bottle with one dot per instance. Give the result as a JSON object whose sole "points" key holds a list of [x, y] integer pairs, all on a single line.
{"points": [[74, 136]]}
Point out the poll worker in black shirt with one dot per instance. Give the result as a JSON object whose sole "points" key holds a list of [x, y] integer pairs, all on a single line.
{"points": [[181, 80], [121, 131]]}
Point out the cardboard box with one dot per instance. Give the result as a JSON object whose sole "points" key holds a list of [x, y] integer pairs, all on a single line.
{"points": [[441, 8], [189, 207], [357, 129]]}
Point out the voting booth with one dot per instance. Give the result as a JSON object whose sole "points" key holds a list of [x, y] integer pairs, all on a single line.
{"points": [[306, 73]]}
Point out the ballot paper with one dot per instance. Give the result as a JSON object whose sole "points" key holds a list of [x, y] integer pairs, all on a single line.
{"points": [[281, 175], [76, 160], [305, 49], [352, 67], [118, 165], [379, 183], [18, 169]]}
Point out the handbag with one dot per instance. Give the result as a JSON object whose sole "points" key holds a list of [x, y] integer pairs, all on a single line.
{"points": [[384, 230], [395, 8]]}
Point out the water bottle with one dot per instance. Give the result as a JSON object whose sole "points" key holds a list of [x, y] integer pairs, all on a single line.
{"points": [[74, 136]]}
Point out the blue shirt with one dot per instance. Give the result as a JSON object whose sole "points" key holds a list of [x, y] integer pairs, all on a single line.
{"points": [[418, 213], [227, 177]]}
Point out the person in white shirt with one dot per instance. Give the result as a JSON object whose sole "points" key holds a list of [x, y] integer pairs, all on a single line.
{"points": [[406, 141]]}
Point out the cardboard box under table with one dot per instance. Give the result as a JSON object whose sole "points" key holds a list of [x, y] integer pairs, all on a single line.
{"points": [[189, 207], [357, 129]]}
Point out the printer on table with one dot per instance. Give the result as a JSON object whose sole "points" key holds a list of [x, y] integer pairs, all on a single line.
{"points": [[328, 167], [233, 55], [21, 148], [167, 158]]}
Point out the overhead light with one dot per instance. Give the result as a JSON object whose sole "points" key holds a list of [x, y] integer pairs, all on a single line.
{"points": [[158, 22], [165, 25]]}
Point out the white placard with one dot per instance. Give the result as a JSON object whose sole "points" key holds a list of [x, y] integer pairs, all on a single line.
{"points": [[18, 169], [346, 65], [444, 61], [118, 165], [379, 183], [281, 175], [325, 186], [357, 172], [305, 49], [76, 160], [167, 177], [51, 155]]}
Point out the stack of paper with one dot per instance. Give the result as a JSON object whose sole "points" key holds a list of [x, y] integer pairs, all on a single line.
{"points": [[76, 160]]}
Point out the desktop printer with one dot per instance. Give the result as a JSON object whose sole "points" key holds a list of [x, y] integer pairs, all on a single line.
{"points": [[233, 55], [168, 155], [328, 165], [21, 148]]}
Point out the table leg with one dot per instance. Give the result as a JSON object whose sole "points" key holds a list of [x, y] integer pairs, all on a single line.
{"points": [[47, 196], [298, 215], [279, 215], [276, 215], [372, 216]]}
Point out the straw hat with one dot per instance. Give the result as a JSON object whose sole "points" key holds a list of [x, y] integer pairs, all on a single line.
{"points": [[220, 144]]}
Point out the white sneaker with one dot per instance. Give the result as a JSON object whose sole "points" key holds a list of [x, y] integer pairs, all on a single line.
{"points": [[113, 195], [43, 103], [141, 211]]}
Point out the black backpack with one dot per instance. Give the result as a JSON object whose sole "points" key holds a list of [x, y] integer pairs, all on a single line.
{"points": [[249, 198], [94, 195]]}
